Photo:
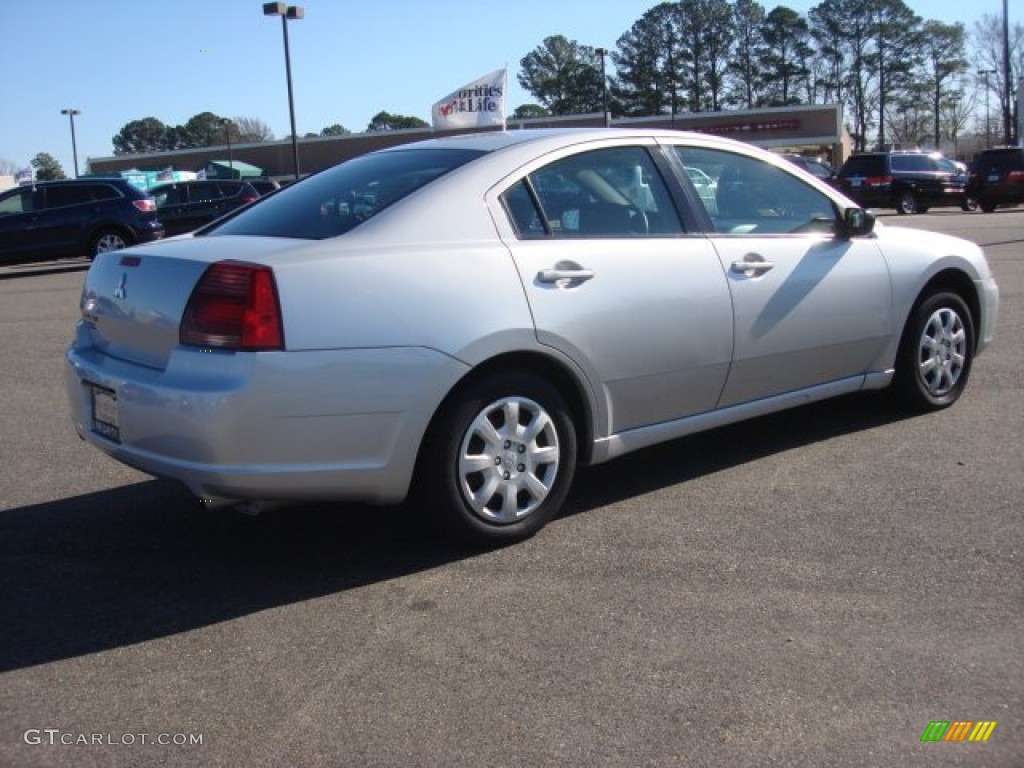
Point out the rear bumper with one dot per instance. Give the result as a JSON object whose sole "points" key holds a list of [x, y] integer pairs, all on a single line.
{"points": [[289, 426]]}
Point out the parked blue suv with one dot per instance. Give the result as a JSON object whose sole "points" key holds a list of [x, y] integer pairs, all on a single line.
{"points": [[80, 217]]}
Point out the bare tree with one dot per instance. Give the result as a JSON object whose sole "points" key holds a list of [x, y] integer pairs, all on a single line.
{"points": [[987, 44], [253, 129]]}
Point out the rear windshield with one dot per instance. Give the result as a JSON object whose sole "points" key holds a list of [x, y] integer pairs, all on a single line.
{"points": [[335, 201], [914, 163], [864, 165]]}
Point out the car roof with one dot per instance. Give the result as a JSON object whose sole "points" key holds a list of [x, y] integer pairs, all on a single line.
{"points": [[492, 141], [83, 180]]}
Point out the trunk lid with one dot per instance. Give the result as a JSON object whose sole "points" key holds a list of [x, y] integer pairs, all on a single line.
{"points": [[133, 300]]}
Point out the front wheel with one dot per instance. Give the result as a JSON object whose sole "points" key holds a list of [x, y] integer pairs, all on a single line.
{"points": [[498, 460], [969, 204], [935, 354]]}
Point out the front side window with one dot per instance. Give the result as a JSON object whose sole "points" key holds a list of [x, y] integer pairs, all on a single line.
{"points": [[746, 195], [615, 192], [18, 201], [337, 200]]}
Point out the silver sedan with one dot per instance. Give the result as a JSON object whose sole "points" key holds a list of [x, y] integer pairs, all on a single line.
{"points": [[471, 318]]}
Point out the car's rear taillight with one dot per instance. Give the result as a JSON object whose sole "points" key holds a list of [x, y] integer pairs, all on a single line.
{"points": [[146, 205], [234, 306], [249, 198], [878, 181], [1015, 176]]}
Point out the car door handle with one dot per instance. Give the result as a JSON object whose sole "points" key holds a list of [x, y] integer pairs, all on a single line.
{"points": [[751, 268], [557, 275]]}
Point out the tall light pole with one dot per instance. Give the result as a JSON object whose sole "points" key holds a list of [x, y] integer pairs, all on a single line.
{"points": [[602, 52], [988, 115], [1007, 85], [74, 146], [286, 12]]}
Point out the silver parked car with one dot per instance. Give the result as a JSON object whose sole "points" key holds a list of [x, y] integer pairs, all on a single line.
{"points": [[474, 317]]}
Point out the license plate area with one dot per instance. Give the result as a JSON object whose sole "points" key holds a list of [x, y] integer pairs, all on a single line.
{"points": [[105, 419]]}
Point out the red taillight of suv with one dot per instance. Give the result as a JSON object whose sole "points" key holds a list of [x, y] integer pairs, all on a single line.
{"points": [[1016, 177], [878, 181], [234, 306], [146, 205], [250, 198]]}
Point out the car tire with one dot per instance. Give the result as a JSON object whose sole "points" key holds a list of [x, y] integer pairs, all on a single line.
{"points": [[906, 203], [936, 353], [489, 480], [986, 206], [969, 204], [108, 240]]}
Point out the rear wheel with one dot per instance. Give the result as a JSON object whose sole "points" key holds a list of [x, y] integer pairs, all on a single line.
{"points": [[499, 460], [936, 352], [108, 240], [906, 203], [969, 204]]}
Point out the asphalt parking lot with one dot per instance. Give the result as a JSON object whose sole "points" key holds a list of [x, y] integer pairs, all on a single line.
{"points": [[809, 589]]}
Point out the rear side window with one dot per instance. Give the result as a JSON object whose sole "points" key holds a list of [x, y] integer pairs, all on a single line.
{"points": [[58, 197], [337, 200], [205, 191], [615, 192], [103, 192], [76, 194]]}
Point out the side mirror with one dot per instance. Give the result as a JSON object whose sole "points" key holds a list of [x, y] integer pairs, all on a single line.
{"points": [[857, 222]]}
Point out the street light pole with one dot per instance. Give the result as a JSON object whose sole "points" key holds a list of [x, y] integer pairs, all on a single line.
{"points": [[602, 52], [286, 12], [988, 115], [1007, 85], [74, 146]]}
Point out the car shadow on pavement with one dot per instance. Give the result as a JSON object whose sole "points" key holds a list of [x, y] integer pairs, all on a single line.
{"points": [[130, 564], [705, 453]]}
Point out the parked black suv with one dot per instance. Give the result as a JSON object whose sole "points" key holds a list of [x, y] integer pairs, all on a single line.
{"points": [[54, 219], [910, 182], [997, 178], [187, 205]]}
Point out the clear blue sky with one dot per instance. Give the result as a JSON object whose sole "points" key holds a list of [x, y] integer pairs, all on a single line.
{"points": [[122, 60]]}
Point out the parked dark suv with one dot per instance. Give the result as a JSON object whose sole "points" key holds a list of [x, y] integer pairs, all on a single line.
{"points": [[54, 219], [910, 182], [997, 178], [187, 205]]}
